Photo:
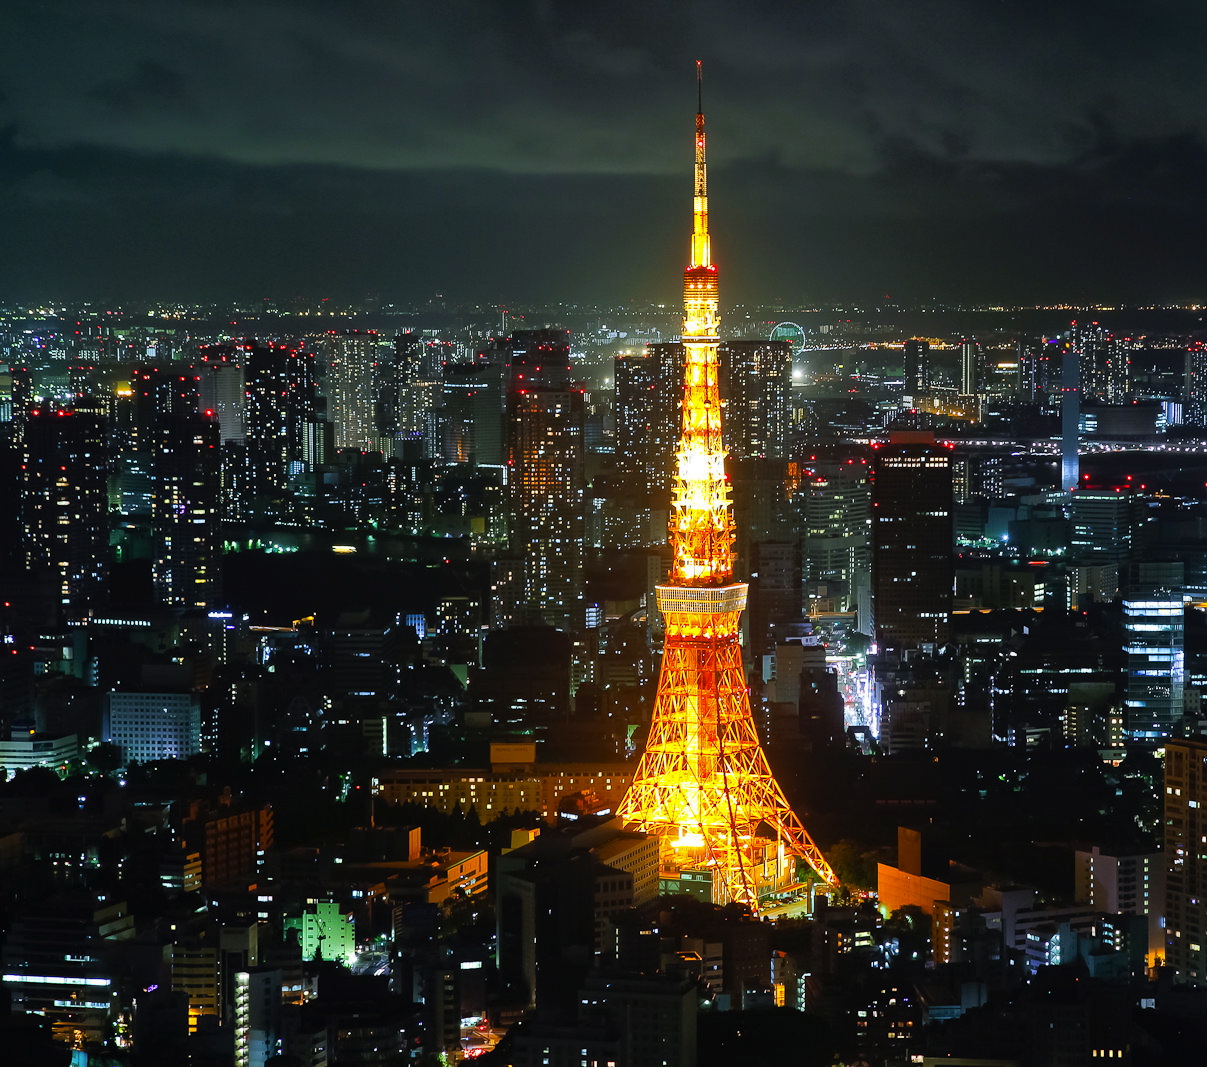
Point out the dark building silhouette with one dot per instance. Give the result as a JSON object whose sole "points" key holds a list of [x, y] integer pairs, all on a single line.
{"points": [[282, 410], [755, 379], [546, 924], [1194, 394], [1039, 368], [1185, 909], [648, 384], [546, 476], [186, 474], [912, 565], [525, 676], [917, 367], [65, 506], [755, 383], [471, 415], [775, 591]]}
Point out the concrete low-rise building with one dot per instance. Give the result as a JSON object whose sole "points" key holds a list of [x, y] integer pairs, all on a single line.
{"points": [[38, 750], [514, 781]]}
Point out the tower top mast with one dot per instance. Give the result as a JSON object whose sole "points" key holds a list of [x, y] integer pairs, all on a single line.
{"points": [[701, 255], [701, 527]]}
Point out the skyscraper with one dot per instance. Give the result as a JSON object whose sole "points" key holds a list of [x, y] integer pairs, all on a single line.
{"points": [[1104, 360], [546, 474], [65, 505], [1039, 368], [646, 401], [970, 367], [1070, 419], [1186, 874], [1154, 623], [352, 367], [1194, 395], [1108, 525], [754, 382], [647, 405], [912, 569], [703, 784], [186, 470], [836, 507], [755, 385], [153, 726], [917, 367], [223, 389], [472, 414], [403, 392], [280, 415]]}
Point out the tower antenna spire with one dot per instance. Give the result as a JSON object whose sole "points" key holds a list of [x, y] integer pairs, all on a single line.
{"points": [[699, 87]]}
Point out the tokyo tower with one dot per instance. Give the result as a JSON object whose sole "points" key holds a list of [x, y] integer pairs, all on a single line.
{"points": [[703, 784]]}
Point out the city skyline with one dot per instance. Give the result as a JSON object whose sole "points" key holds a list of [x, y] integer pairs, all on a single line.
{"points": [[869, 151], [391, 678]]}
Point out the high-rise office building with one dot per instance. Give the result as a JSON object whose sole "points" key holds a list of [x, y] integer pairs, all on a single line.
{"points": [[1070, 419], [1194, 393], [546, 477], [64, 505], [912, 539], [755, 385], [471, 414], [835, 503], [1154, 623], [775, 591], [154, 396], [1104, 360], [1108, 524], [639, 398], [352, 369], [186, 476], [648, 385], [224, 389], [153, 726], [917, 367], [1186, 860], [281, 411], [970, 367], [1039, 368], [405, 387]]}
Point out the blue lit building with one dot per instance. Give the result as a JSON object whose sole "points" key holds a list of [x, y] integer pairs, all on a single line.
{"points": [[1154, 644]]}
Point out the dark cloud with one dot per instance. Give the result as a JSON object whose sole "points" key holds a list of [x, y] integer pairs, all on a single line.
{"points": [[541, 148], [149, 86]]}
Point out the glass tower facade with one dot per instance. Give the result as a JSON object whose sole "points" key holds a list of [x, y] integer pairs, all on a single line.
{"points": [[1154, 644]]}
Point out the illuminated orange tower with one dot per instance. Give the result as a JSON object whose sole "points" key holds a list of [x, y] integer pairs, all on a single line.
{"points": [[703, 783]]}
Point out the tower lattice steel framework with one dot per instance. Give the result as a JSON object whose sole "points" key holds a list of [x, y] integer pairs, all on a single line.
{"points": [[703, 784]]}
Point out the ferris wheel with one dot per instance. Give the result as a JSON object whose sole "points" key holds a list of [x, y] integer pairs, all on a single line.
{"points": [[794, 334], [790, 332]]}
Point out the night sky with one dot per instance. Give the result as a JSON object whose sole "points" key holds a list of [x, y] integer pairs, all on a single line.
{"points": [[509, 151]]}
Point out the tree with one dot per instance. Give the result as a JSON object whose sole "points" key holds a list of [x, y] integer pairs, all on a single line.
{"points": [[854, 864], [104, 757]]}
